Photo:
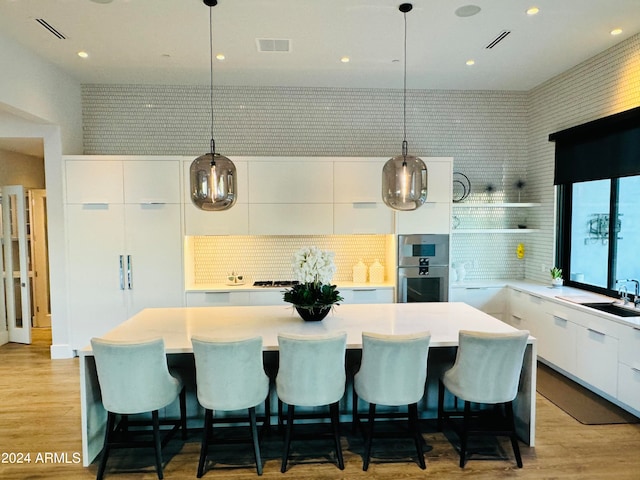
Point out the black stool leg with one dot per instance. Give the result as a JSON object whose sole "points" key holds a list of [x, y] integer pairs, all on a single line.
{"points": [[111, 418], [183, 413], [157, 443], [514, 439], [254, 436], [335, 422], [354, 409], [368, 437], [440, 406], [204, 447], [417, 437], [464, 433], [287, 438]]}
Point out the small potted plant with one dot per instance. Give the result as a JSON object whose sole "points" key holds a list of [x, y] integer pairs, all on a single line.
{"points": [[314, 296], [556, 277]]}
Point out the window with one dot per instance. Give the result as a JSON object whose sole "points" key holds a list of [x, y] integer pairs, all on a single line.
{"points": [[596, 253], [598, 170]]}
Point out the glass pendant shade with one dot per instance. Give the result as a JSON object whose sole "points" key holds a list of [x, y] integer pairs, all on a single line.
{"points": [[404, 182], [213, 182]]}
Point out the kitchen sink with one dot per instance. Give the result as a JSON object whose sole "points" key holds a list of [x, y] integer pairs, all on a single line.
{"points": [[614, 309]]}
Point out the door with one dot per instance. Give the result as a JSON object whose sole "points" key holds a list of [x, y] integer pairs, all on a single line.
{"points": [[16, 264], [40, 258]]}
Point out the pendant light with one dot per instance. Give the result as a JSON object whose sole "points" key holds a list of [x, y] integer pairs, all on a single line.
{"points": [[404, 177], [212, 176]]}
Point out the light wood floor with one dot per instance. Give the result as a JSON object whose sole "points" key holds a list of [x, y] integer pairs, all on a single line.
{"points": [[40, 413]]}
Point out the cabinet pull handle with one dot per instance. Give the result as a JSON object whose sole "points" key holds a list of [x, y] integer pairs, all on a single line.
{"points": [[364, 289], [560, 318], [516, 317], [476, 288], [129, 279], [596, 331], [635, 369], [121, 272]]}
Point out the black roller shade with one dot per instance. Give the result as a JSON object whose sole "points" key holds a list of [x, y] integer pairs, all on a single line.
{"points": [[605, 148]]}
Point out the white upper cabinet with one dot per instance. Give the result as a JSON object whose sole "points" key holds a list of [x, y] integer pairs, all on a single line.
{"points": [[94, 182], [234, 221], [357, 193], [283, 181], [290, 219], [149, 182], [435, 215], [357, 181]]}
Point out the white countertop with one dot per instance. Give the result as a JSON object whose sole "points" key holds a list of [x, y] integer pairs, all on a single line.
{"points": [[178, 325], [248, 287]]}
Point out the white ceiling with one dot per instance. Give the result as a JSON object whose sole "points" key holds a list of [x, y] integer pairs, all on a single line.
{"points": [[166, 41]]}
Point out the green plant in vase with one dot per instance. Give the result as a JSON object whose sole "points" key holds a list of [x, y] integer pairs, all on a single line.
{"points": [[556, 277], [314, 295]]}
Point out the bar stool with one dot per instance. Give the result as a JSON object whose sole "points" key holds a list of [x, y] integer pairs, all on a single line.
{"points": [[486, 372], [393, 372], [311, 374], [134, 378], [230, 376]]}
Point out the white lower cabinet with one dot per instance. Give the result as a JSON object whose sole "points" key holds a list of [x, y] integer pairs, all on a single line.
{"points": [[597, 356], [491, 300], [525, 311], [367, 295], [217, 299], [629, 366], [557, 338]]}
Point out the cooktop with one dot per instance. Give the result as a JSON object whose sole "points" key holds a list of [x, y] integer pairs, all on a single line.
{"points": [[275, 283]]}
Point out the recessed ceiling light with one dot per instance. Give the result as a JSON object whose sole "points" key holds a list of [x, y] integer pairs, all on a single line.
{"points": [[471, 62], [345, 59], [83, 54], [468, 11], [220, 56], [533, 11], [616, 31]]}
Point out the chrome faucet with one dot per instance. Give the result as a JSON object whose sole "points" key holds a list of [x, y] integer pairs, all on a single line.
{"points": [[624, 295], [622, 291]]}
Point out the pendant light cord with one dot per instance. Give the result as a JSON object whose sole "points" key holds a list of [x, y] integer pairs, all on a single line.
{"points": [[213, 142], [404, 99]]}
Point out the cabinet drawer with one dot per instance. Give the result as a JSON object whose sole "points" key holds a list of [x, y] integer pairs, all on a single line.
{"points": [[268, 297], [367, 295], [487, 299], [357, 181], [234, 221], [597, 359], [629, 385], [217, 299], [429, 218], [291, 182], [94, 181], [629, 345], [149, 181]]}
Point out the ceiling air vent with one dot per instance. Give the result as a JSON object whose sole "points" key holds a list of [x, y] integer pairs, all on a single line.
{"points": [[273, 44], [50, 28], [501, 36]]}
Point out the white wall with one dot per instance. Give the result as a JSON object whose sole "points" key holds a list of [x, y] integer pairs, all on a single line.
{"points": [[37, 100]]}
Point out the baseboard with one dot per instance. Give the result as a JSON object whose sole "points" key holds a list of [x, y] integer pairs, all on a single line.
{"points": [[61, 351]]}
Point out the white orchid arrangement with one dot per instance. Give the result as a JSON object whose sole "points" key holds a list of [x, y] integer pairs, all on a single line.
{"points": [[313, 268], [313, 265]]}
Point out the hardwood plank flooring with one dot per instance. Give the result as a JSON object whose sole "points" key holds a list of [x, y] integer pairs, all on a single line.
{"points": [[40, 414]]}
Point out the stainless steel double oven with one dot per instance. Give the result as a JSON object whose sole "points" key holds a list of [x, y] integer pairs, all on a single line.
{"points": [[423, 268]]}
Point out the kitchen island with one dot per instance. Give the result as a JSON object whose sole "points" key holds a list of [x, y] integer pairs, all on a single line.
{"points": [[177, 325]]}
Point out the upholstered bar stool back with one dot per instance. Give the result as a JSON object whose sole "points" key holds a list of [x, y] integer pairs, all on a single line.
{"points": [[311, 374], [393, 371], [230, 376], [134, 378], [486, 371]]}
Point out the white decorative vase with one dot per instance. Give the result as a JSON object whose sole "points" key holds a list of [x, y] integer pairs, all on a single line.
{"points": [[359, 272], [376, 272], [557, 282]]}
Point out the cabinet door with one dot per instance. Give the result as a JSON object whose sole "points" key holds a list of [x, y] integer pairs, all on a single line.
{"points": [[234, 221], [149, 181], [440, 180], [291, 182], [372, 218], [490, 300], [95, 249], [357, 181], [557, 339], [429, 218], [290, 219], [597, 358], [367, 295], [217, 299], [268, 297], [153, 256], [94, 181]]}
